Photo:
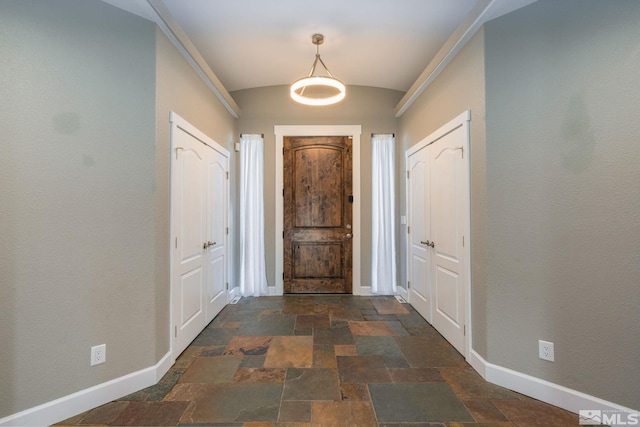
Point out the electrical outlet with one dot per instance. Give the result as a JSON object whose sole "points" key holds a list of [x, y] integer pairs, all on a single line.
{"points": [[98, 354], [545, 350]]}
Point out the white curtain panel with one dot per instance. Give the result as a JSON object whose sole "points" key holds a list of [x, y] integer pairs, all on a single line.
{"points": [[383, 250], [253, 272]]}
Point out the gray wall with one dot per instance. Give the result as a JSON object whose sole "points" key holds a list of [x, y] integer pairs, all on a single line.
{"points": [[85, 193], [263, 108], [563, 193], [77, 210], [459, 87]]}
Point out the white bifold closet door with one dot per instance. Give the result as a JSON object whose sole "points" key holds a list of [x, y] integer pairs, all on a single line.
{"points": [[199, 222]]}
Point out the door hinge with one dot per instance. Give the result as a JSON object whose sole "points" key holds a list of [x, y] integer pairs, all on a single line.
{"points": [[227, 285], [283, 151], [464, 330], [408, 174], [283, 192], [408, 285], [283, 234], [463, 241], [175, 333], [227, 230], [176, 243], [227, 175], [408, 230], [282, 275]]}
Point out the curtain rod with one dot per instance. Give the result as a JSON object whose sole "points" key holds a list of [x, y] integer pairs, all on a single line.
{"points": [[393, 134], [262, 135]]}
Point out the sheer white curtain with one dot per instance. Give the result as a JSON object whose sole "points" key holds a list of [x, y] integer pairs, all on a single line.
{"points": [[253, 273], [383, 249]]}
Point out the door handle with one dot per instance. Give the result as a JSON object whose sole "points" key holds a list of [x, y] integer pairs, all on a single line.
{"points": [[207, 244], [348, 235], [428, 243]]}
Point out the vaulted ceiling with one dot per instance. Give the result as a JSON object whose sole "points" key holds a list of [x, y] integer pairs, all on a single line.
{"points": [[394, 44]]}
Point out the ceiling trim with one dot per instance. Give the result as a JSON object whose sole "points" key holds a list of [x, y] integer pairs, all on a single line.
{"points": [[183, 43], [453, 45], [483, 12]]}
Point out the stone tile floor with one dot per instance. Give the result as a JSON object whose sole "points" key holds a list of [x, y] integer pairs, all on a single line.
{"points": [[322, 361]]}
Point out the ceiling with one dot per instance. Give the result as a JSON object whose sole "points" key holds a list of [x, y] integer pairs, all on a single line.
{"points": [[381, 43]]}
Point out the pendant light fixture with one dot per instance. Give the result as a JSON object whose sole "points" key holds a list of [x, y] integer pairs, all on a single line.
{"points": [[320, 90]]}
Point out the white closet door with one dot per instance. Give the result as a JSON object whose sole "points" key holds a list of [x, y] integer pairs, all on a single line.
{"points": [[217, 223], [199, 221], [419, 220], [438, 220], [448, 205], [189, 224]]}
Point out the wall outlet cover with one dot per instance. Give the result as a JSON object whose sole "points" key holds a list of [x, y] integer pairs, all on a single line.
{"points": [[546, 351], [98, 354]]}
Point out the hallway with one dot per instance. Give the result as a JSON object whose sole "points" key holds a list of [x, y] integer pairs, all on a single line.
{"points": [[322, 361]]}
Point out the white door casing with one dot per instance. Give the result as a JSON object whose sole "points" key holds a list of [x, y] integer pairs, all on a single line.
{"points": [[199, 241], [438, 218]]}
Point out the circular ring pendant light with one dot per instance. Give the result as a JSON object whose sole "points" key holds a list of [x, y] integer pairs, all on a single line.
{"points": [[330, 84]]}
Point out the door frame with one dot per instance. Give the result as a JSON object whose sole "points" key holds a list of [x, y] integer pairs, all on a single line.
{"points": [[461, 121], [317, 130], [176, 122]]}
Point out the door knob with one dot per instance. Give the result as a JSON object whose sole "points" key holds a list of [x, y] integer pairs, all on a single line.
{"points": [[207, 244], [428, 243], [348, 236]]}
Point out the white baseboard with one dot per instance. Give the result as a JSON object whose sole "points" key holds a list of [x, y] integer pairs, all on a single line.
{"points": [[403, 293], [83, 400], [364, 291], [546, 391], [233, 292]]}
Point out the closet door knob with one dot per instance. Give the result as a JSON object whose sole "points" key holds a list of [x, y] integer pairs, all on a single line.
{"points": [[428, 243]]}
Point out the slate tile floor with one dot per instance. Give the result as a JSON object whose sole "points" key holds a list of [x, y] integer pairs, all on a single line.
{"points": [[322, 361]]}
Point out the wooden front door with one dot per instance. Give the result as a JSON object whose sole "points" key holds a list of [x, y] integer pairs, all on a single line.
{"points": [[317, 214]]}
